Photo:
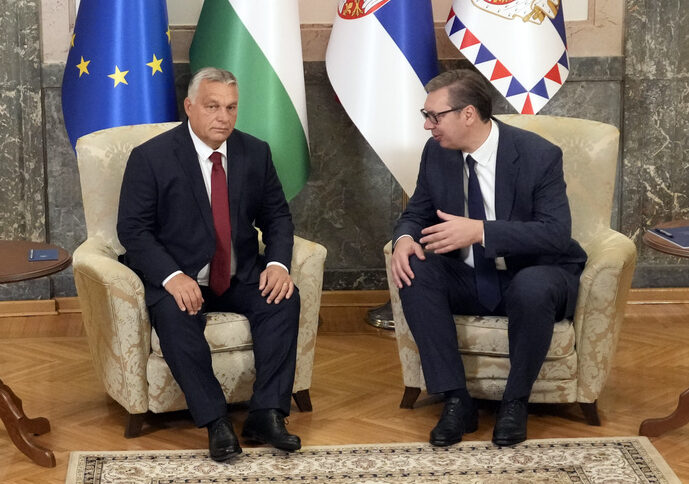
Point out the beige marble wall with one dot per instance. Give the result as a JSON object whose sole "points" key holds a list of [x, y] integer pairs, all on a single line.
{"points": [[596, 28]]}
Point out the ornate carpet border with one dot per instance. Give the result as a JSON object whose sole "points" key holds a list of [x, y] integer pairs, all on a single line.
{"points": [[586, 460]]}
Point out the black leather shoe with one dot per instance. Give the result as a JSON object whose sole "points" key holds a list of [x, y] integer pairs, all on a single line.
{"points": [[510, 424], [268, 427], [222, 442], [455, 421]]}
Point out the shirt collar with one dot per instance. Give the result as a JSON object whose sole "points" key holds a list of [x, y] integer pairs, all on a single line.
{"points": [[483, 153], [202, 149]]}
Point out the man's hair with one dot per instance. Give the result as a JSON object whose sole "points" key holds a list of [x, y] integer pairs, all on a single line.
{"points": [[212, 74], [466, 87]]}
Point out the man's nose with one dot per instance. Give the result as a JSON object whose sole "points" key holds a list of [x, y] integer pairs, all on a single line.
{"points": [[427, 124], [224, 115]]}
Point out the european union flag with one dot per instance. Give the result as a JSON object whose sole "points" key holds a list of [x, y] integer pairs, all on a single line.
{"points": [[119, 68]]}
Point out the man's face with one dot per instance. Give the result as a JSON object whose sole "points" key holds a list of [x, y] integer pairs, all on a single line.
{"points": [[452, 128], [213, 112]]}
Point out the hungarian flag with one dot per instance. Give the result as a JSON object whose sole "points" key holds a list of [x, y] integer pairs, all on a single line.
{"points": [[380, 55], [259, 41], [520, 46]]}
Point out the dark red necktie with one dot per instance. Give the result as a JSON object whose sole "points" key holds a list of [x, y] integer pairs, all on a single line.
{"points": [[220, 205], [487, 280]]}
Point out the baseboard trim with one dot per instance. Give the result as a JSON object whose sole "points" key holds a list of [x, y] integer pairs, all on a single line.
{"points": [[659, 295], [366, 299]]}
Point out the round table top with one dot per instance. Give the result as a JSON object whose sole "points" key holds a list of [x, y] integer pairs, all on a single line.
{"points": [[15, 265], [663, 245]]}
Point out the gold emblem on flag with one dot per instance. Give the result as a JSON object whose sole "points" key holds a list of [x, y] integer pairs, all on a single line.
{"points": [[353, 9], [534, 11]]}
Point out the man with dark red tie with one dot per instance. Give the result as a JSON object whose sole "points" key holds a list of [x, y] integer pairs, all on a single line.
{"points": [[189, 202], [486, 232]]}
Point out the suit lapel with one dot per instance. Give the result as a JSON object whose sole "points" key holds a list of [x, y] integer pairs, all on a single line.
{"points": [[189, 160], [236, 167], [506, 170]]}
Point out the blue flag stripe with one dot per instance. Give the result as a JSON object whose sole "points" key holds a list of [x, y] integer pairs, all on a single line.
{"points": [[410, 25]]}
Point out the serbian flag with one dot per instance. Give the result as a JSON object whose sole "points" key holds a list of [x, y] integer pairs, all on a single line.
{"points": [[380, 55], [519, 45], [259, 41]]}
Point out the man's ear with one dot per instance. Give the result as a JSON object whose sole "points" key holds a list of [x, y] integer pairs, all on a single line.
{"points": [[187, 105], [469, 114]]}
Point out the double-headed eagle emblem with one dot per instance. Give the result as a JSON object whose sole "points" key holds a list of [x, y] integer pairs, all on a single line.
{"points": [[534, 11], [351, 9]]}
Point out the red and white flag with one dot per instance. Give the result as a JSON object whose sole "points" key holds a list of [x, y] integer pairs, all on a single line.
{"points": [[520, 46]]}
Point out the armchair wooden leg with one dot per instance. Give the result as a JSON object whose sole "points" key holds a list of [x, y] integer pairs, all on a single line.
{"points": [[133, 426], [590, 412], [409, 397], [303, 400]]}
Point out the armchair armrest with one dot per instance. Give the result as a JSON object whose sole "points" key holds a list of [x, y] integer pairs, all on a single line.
{"points": [[116, 322], [308, 261], [603, 291], [406, 346]]}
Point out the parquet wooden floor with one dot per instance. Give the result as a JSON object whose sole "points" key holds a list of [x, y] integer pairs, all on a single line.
{"points": [[356, 390]]}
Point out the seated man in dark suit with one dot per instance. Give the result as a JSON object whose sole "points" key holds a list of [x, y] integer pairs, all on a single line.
{"points": [[188, 205], [487, 232]]}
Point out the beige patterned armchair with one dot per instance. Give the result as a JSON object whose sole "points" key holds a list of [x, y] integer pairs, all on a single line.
{"points": [[125, 350], [581, 353]]}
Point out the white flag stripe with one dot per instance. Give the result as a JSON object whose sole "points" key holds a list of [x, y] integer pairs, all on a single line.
{"points": [[385, 98], [278, 34]]}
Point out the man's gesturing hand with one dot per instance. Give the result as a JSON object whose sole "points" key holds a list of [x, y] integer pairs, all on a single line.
{"points": [[453, 233], [275, 283], [401, 270], [186, 292]]}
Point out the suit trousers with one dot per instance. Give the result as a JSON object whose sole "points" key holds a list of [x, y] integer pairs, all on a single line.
{"points": [[274, 330], [533, 299]]}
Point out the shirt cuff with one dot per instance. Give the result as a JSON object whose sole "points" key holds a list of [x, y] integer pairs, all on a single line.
{"points": [[275, 263], [165, 281], [400, 237]]}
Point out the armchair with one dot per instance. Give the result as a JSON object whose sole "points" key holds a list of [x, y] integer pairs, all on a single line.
{"points": [[125, 350], [581, 352]]}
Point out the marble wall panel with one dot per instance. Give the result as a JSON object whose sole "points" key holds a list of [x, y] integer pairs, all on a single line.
{"points": [[22, 174], [657, 39], [656, 155], [346, 204], [66, 223]]}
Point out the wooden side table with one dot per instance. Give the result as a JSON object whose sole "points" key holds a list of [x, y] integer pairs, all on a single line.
{"points": [[15, 266], [653, 427]]}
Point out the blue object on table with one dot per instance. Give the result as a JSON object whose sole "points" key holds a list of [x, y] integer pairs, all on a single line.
{"points": [[42, 254], [675, 235]]}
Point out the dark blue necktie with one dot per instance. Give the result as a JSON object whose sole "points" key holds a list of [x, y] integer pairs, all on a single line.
{"points": [[487, 282]]}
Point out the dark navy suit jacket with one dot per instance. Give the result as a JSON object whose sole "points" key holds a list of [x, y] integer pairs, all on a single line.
{"points": [[165, 221], [533, 222]]}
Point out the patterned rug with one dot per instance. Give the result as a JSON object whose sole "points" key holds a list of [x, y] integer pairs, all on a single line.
{"points": [[609, 460]]}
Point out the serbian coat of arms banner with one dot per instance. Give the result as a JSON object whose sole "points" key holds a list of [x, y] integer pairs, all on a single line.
{"points": [[519, 45]]}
